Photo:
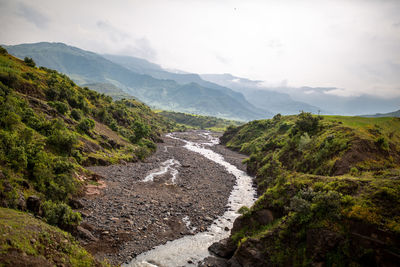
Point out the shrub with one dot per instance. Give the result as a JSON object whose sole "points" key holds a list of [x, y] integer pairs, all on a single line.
{"points": [[382, 143], [76, 114], [62, 141], [61, 107], [3, 51], [61, 215], [29, 62], [86, 125], [306, 122]]}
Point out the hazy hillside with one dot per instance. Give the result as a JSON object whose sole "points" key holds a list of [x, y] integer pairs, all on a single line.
{"points": [[87, 67], [311, 99], [144, 67], [275, 101], [329, 192], [390, 114], [109, 89]]}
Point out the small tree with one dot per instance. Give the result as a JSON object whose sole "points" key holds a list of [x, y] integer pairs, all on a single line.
{"points": [[29, 62]]}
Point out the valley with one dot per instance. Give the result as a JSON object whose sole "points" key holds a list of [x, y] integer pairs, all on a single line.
{"points": [[132, 214]]}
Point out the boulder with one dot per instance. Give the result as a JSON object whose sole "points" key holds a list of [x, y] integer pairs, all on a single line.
{"points": [[75, 203], [33, 204], [213, 262], [224, 248], [85, 234]]}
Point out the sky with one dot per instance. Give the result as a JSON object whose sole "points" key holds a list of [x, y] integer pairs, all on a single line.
{"points": [[353, 45]]}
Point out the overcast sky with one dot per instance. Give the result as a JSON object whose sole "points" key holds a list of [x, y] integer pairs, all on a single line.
{"points": [[352, 45]]}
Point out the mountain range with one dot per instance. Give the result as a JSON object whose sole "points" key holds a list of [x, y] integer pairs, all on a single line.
{"points": [[220, 95], [86, 67]]}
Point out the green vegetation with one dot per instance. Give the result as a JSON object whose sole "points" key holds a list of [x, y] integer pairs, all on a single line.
{"points": [[50, 129], [332, 184], [24, 239], [191, 121]]}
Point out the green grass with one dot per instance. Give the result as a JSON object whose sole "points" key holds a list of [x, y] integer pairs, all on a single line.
{"points": [[34, 240]]}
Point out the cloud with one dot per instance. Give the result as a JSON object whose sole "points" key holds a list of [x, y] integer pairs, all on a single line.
{"points": [[140, 48], [33, 16], [113, 33]]}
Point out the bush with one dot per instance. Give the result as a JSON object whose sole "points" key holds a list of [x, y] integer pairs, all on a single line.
{"points": [[306, 122], [86, 125], [76, 114], [62, 141], [3, 51], [61, 107], [61, 215], [29, 62]]}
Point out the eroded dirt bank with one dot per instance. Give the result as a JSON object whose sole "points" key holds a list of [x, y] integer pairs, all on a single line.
{"points": [[131, 216]]}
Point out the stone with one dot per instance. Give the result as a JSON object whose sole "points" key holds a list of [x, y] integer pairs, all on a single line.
{"points": [[75, 203], [224, 248], [213, 262], [85, 234], [33, 204], [21, 204]]}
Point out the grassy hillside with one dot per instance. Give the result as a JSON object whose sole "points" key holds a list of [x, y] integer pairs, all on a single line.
{"points": [[27, 240], [88, 67], [329, 191], [198, 121], [50, 129]]}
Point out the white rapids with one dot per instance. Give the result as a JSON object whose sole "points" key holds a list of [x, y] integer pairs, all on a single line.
{"points": [[166, 166], [191, 249]]}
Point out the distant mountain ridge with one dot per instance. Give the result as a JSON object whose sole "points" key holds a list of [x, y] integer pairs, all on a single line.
{"points": [[260, 97], [312, 99], [86, 67], [381, 115]]}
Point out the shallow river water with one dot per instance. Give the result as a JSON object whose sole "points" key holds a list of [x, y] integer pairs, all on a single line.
{"points": [[189, 250]]}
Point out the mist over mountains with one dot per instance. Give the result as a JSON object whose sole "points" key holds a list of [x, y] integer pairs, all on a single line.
{"points": [[86, 67], [220, 95]]}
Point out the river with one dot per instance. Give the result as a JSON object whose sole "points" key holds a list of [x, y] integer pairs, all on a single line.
{"points": [[190, 249]]}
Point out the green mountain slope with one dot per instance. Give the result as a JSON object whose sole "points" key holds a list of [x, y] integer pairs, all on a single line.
{"points": [[50, 129], [329, 191], [199, 122], [87, 67]]}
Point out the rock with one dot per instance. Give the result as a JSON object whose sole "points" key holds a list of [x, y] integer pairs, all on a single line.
{"points": [[96, 177], [264, 216], [213, 262], [75, 203], [21, 204], [33, 204], [321, 241], [85, 234], [224, 248]]}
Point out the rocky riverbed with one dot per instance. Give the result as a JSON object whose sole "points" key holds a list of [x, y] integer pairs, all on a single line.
{"points": [[175, 192]]}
